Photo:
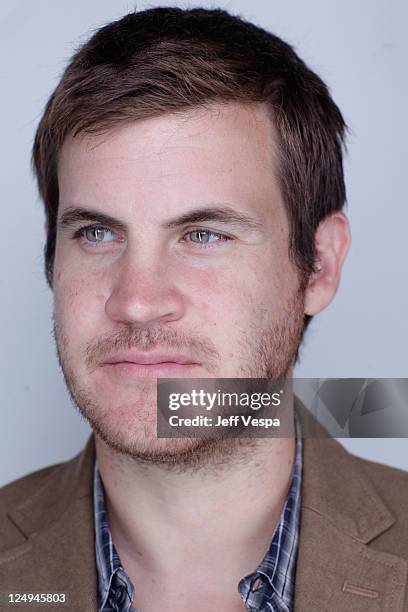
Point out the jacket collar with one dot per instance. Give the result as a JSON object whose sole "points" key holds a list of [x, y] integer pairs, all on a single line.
{"points": [[58, 548], [341, 513]]}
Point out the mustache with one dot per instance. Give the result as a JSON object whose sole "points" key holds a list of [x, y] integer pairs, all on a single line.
{"points": [[146, 339]]}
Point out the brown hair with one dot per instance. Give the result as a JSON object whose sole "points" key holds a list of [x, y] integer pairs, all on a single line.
{"points": [[167, 60]]}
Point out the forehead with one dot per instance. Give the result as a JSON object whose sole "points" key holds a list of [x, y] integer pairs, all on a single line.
{"points": [[223, 151]]}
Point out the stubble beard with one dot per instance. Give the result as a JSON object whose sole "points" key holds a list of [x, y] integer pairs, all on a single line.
{"points": [[265, 353]]}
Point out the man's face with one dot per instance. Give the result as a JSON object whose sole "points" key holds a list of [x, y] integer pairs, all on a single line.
{"points": [[191, 280]]}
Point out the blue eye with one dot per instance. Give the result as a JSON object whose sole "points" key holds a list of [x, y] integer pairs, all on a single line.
{"points": [[205, 236], [97, 234]]}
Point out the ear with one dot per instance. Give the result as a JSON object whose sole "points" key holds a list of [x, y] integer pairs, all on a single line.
{"points": [[332, 242], [46, 227]]}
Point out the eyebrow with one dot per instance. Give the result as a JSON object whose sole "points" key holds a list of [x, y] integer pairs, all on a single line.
{"points": [[72, 216], [222, 214]]}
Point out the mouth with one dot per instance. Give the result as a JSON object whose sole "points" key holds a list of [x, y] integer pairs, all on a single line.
{"points": [[148, 366]]}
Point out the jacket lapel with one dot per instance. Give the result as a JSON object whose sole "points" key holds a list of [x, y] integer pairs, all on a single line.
{"points": [[341, 514], [57, 549]]}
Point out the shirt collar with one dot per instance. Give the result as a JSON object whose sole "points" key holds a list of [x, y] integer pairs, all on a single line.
{"points": [[270, 587], [113, 582]]}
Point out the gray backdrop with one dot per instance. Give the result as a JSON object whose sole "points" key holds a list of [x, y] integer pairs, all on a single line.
{"points": [[360, 49]]}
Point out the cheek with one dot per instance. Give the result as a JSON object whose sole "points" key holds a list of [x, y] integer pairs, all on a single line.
{"points": [[224, 298], [253, 294], [78, 307], [77, 278]]}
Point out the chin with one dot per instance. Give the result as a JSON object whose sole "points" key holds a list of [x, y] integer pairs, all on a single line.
{"points": [[139, 441]]}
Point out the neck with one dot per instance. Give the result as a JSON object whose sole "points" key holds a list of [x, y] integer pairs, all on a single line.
{"points": [[225, 514]]}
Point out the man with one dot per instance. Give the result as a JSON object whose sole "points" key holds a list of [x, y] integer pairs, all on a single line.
{"points": [[191, 170]]}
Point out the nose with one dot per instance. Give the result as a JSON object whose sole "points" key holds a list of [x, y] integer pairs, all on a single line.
{"points": [[144, 293]]}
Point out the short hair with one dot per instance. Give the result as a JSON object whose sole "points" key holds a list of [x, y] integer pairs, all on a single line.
{"points": [[167, 60]]}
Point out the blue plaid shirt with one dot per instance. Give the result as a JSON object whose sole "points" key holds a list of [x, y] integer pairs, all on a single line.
{"points": [[270, 588]]}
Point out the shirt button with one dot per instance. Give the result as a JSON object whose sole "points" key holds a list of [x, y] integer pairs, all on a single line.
{"points": [[120, 595], [256, 584]]}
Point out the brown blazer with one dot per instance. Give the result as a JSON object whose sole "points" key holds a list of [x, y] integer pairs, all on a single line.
{"points": [[353, 548]]}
